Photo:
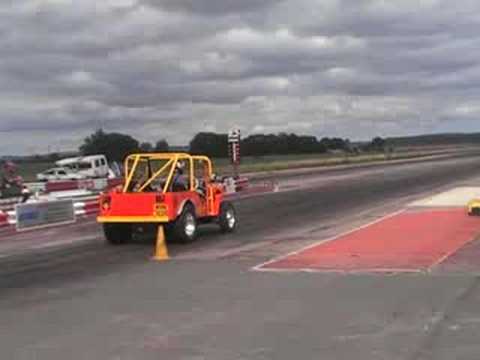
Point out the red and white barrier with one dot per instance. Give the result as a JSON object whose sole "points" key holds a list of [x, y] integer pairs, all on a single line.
{"points": [[114, 182], [88, 184], [61, 186], [7, 204], [3, 219], [233, 185], [85, 208], [241, 184]]}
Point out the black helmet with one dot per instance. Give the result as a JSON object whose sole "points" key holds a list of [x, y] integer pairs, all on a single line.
{"points": [[180, 167]]}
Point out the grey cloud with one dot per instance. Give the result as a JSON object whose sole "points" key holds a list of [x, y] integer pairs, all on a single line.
{"points": [[214, 7], [174, 67]]}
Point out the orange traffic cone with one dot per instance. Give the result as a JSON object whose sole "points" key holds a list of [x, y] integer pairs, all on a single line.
{"points": [[161, 251]]}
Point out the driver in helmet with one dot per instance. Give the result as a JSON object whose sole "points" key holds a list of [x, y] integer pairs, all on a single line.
{"points": [[179, 181]]}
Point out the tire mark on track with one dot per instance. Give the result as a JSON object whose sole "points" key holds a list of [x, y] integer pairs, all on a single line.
{"points": [[60, 265]]}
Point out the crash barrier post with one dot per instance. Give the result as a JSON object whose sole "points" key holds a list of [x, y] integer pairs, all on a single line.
{"points": [[3, 219], [161, 251], [44, 214]]}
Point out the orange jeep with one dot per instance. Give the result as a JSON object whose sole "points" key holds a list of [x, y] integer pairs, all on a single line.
{"points": [[176, 190]]}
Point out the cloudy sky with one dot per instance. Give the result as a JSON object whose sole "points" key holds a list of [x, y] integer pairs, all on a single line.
{"points": [[171, 68]]}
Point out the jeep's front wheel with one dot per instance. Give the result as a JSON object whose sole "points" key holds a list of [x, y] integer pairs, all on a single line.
{"points": [[117, 234], [185, 227], [227, 219]]}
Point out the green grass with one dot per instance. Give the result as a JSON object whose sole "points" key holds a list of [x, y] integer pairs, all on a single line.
{"points": [[275, 163], [28, 171]]}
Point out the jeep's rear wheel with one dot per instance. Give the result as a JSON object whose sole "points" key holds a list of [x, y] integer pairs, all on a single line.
{"points": [[227, 219], [117, 234], [185, 227]]}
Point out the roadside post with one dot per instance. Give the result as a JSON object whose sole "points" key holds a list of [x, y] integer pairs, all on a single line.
{"points": [[161, 251], [234, 137]]}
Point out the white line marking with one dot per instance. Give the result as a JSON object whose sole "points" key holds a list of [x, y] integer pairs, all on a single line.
{"points": [[450, 253], [296, 252], [343, 272]]}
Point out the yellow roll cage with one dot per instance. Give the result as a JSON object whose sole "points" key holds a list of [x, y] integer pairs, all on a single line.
{"points": [[171, 163]]}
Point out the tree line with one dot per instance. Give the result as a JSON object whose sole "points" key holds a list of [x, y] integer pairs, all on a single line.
{"points": [[116, 146], [216, 145]]}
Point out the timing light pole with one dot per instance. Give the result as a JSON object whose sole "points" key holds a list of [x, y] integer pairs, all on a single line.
{"points": [[234, 138]]}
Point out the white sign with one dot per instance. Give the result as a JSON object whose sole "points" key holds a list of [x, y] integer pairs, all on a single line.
{"points": [[234, 136], [43, 214]]}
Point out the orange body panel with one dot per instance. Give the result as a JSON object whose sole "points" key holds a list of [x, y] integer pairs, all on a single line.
{"points": [[145, 205]]}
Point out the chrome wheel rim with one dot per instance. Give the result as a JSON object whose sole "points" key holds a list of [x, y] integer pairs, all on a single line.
{"points": [[230, 216], [190, 225]]}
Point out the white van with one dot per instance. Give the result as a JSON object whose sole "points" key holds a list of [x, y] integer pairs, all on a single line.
{"points": [[93, 166]]}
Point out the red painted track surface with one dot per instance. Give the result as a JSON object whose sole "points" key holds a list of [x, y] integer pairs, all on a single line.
{"points": [[407, 241]]}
